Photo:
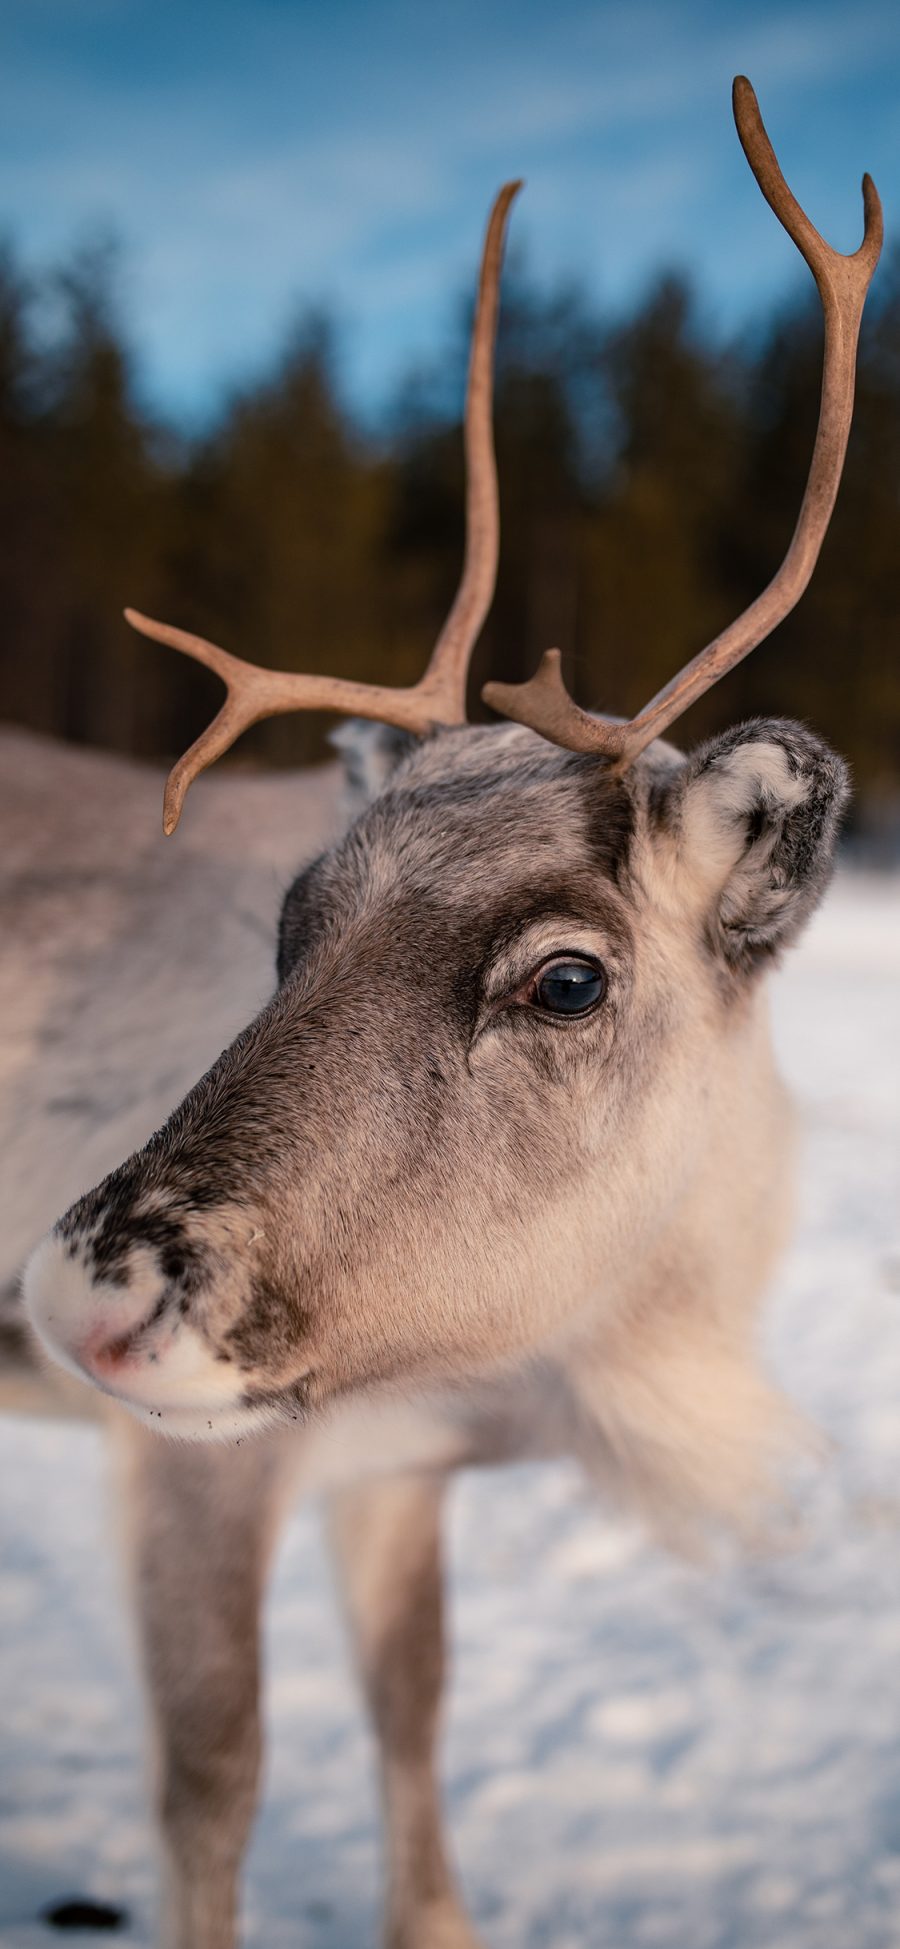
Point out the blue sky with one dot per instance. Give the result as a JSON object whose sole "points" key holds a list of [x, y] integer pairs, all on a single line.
{"points": [[256, 158]]}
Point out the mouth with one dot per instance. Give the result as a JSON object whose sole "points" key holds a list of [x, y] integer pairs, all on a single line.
{"points": [[129, 1371], [210, 1423]]}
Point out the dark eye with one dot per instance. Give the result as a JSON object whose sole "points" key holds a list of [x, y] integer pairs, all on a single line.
{"points": [[569, 987]]}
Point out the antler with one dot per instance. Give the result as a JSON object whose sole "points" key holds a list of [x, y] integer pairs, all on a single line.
{"points": [[544, 703], [440, 695]]}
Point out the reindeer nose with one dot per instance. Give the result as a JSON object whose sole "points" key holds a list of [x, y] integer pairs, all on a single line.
{"points": [[91, 1328], [129, 1339]]}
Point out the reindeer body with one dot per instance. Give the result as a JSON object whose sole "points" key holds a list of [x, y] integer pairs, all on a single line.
{"points": [[615, 1322]]}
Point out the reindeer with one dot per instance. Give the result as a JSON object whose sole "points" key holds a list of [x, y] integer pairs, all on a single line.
{"points": [[499, 1171]]}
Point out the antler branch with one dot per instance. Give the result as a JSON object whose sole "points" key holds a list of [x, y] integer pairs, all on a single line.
{"points": [[843, 282], [440, 695], [544, 703]]}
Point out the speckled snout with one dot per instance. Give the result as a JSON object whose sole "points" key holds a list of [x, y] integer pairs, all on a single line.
{"points": [[129, 1333]]}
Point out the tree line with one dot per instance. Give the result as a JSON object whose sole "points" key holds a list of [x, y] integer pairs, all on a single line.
{"points": [[651, 473]]}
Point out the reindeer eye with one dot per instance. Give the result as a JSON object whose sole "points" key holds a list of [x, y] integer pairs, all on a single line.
{"points": [[569, 987]]}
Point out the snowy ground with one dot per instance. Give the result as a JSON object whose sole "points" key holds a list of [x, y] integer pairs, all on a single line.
{"points": [[638, 1753]]}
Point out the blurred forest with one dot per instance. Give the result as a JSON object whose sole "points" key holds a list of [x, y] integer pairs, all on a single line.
{"points": [[650, 480]]}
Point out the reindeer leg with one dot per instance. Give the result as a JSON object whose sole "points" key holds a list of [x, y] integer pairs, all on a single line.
{"points": [[202, 1521], [386, 1542]]}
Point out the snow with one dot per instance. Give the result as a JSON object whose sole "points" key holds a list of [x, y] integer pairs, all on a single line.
{"points": [[638, 1751]]}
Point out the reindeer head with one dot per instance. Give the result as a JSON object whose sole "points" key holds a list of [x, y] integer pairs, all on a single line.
{"points": [[517, 1038]]}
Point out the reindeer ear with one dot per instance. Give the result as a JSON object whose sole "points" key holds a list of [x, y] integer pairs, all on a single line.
{"points": [[754, 816], [370, 753]]}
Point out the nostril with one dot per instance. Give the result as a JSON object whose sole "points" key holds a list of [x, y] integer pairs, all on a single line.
{"points": [[102, 1355], [132, 1340]]}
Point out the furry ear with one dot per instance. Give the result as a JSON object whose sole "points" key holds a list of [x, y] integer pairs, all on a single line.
{"points": [[754, 815], [370, 753]]}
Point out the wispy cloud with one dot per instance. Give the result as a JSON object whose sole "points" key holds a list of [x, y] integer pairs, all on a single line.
{"points": [[253, 151]]}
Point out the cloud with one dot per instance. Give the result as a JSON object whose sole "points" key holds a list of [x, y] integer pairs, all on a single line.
{"points": [[254, 151]]}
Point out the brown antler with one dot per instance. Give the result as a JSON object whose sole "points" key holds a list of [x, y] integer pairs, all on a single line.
{"points": [[440, 695], [544, 703]]}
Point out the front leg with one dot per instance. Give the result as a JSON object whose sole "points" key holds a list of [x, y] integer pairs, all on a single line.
{"points": [[201, 1526], [386, 1540]]}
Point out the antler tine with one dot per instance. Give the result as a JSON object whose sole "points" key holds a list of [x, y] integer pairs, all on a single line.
{"points": [[439, 698], [254, 693], [843, 282], [445, 678]]}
